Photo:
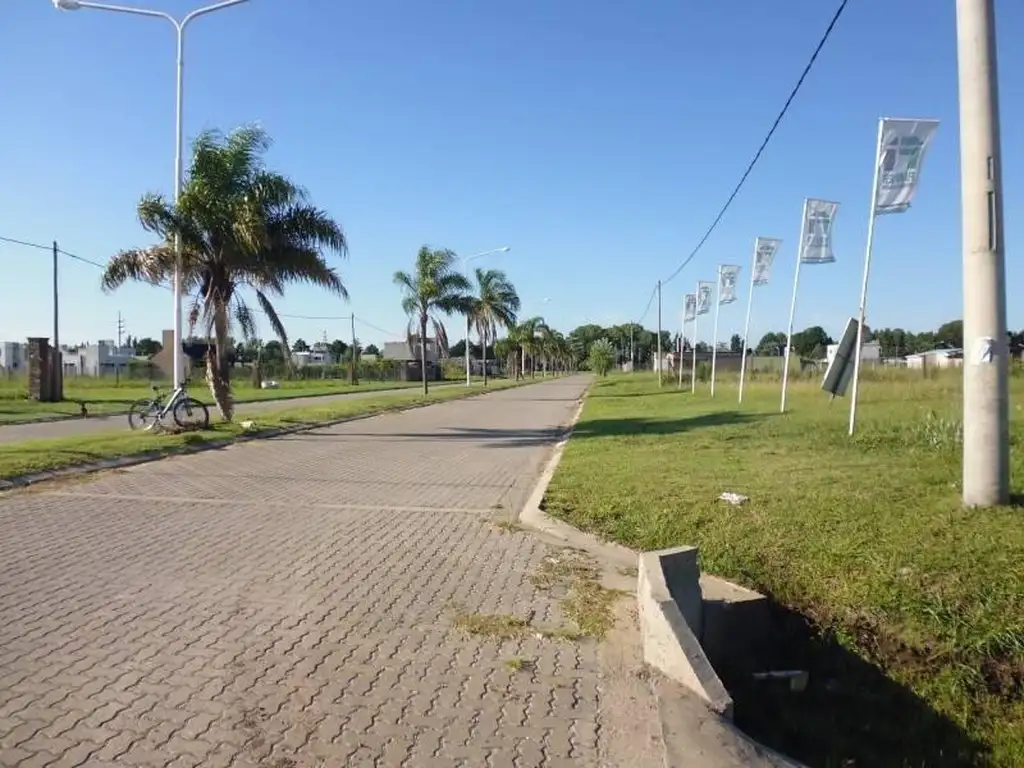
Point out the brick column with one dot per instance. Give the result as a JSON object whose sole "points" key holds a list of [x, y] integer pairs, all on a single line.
{"points": [[40, 381]]}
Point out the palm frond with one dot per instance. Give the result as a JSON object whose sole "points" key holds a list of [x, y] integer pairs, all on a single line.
{"points": [[245, 319], [153, 265], [275, 322]]}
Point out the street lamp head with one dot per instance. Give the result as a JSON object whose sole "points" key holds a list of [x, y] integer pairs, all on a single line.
{"points": [[67, 5]]}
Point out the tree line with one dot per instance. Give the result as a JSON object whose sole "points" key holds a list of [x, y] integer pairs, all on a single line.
{"points": [[810, 343]]}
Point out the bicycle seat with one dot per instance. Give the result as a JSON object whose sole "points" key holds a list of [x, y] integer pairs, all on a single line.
{"points": [[156, 387]]}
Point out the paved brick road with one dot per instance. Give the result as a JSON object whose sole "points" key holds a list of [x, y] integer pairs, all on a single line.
{"points": [[290, 603]]}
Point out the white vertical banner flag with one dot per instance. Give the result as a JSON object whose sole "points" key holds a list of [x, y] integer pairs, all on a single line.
{"points": [[816, 232], [765, 249], [901, 149], [727, 277], [703, 306], [689, 315], [704, 297], [899, 154], [689, 307]]}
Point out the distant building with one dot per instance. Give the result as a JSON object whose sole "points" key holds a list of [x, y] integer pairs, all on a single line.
{"points": [[870, 352], [13, 357], [104, 358], [409, 356], [940, 358], [319, 354]]}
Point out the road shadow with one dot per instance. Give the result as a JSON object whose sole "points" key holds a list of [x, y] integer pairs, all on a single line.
{"points": [[850, 714], [670, 389], [670, 426]]}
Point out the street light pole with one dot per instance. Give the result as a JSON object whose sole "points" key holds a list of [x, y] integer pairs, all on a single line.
{"points": [[986, 454], [465, 263], [179, 28]]}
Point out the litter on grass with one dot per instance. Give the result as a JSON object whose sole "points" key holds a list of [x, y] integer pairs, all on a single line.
{"points": [[734, 498]]}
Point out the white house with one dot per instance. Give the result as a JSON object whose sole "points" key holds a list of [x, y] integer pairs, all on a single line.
{"points": [[104, 358], [870, 352], [13, 356], [312, 357], [940, 358]]}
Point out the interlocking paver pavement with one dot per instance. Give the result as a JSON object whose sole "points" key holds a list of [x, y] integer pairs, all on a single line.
{"points": [[289, 603]]}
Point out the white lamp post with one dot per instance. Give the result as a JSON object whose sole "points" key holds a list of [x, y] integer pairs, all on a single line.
{"points": [[465, 262], [179, 27]]}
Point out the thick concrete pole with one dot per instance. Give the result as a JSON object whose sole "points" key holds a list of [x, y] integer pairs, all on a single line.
{"points": [[986, 462]]}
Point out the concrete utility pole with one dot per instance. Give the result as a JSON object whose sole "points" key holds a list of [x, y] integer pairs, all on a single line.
{"points": [[986, 457], [352, 376], [56, 359], [660, 382]]}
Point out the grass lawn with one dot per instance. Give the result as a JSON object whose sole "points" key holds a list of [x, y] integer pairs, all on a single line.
{"points": [[907, 609], [101, 395], [40, 455]]}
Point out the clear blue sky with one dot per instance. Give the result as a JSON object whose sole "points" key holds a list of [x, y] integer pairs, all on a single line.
{"points": [[596, 138]]}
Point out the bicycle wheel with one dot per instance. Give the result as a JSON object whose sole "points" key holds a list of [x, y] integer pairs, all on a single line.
{"points": [[143, 413], [191, 414]]}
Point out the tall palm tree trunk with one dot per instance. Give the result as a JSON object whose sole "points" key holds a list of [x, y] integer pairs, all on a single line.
{"points": [[218, 377], [483, 355], [423, 353]]}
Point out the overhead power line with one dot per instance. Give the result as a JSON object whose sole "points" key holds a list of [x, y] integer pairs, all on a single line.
{"points": [[750, 167], [387, 333], [98, 265]]}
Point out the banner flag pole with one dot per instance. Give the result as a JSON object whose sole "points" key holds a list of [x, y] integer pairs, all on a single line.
{"points": [[864, 281], [792, 309], [714, 337], [746, 324], [693, 369]]}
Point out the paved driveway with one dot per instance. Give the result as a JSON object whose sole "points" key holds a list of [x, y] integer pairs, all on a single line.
{"points": [[16, 433], [291, 603]]}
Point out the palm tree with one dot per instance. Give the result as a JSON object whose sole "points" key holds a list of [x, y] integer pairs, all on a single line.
{"points": [[528, 336], [559, 351], [434, 288], [506, 349], [241, 226], [494, 306]]}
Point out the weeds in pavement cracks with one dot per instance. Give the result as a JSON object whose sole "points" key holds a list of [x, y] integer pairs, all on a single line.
{"points": [[587, 604]]}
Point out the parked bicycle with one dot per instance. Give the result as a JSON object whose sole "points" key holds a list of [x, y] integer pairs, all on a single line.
{"points": [[187, 412]]}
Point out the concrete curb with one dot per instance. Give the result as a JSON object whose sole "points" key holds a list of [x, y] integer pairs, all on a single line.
{"points": [[670, 625], [557, 532], [121, 462], [693, 705], [696, 737]]}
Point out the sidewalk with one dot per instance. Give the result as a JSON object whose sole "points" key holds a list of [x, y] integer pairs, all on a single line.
{"points": [[73, 427], [305, 601]]}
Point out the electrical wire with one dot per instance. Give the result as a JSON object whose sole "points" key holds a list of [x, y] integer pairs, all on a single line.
{"points": [[387, 333], [647, 309], [750, 166], [98, 265]]}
